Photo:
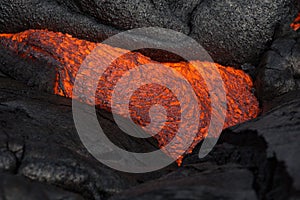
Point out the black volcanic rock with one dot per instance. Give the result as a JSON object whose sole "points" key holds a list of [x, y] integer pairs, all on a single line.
{"points": [[279, 128], [268, 146], [279, 70], [183, 9], [235, 32], [19, 15], [125, 14], [197, 181], [232, 32], [38, 140], [279, 101], [19, 188]]}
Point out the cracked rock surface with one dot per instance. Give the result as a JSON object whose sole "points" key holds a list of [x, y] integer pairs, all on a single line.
{"points": [[233, 32], [279, 70]]}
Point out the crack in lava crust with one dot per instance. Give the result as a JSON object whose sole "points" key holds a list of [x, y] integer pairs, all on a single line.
{"points": [[296, 24], [69, 53]]}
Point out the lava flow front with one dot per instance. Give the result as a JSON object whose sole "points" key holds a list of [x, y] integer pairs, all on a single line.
{"points": [[67, 54]]}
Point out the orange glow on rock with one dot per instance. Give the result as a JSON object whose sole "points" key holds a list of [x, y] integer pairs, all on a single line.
{"points": [[69, 53], [296, 24]]}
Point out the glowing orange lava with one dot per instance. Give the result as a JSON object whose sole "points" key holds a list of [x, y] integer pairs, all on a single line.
{"points": [[69, 53], [296, 24]]}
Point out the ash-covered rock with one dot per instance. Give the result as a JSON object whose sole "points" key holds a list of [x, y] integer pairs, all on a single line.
{"points": [[233, 32], [279, 70]]}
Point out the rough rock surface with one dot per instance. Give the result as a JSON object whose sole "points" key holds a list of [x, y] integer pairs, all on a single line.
{"points": [[124, 14], [230, 30], [38, 140], [21, 15], [268, 146], [239, 31], [197, 181], [279, 129], [19, 188], [279, 70]]}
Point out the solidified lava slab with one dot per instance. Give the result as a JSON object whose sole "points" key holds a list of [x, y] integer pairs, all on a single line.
{"points": [[66, 54]]}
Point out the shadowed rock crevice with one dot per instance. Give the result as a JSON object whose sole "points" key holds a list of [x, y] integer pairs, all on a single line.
{"points": [[275, 166], [247, 148]]}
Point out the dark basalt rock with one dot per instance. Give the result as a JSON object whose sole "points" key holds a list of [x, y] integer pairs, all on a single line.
{"points": [[279, 128], [279, 101], [235, 32], [279, 70], [38, 140], [197, 181], [18, 188], [19, 15], [268, 146], [230, 31], [124, 14], [184, 9]]}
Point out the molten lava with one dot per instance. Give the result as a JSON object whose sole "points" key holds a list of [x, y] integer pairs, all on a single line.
{"points": [[68, 54], [296, 24]]}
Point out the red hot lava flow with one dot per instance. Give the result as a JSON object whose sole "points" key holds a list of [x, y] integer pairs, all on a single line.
{"points": [[296, 24], [70, 53]]}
